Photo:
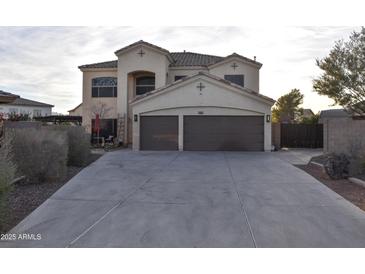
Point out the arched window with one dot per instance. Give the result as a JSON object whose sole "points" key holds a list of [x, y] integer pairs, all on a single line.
{"points": [[144, 84], [104, 87]]}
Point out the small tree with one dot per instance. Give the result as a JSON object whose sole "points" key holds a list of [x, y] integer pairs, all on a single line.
{"points": [[286, 108], [314, 119], [343, 78], [100, 108]]}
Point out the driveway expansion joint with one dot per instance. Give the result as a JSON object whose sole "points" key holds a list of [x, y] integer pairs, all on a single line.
{"points": [[241, 201], [119, 204]]}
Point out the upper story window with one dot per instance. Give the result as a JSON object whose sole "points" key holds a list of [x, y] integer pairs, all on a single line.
{"points": [[178, 77], [104, 87], [145, 84], [237, 79]]}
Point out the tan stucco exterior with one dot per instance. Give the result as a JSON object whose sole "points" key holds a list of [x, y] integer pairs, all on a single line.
{"points": [[250, 72], [89, 103], [215, 99]]}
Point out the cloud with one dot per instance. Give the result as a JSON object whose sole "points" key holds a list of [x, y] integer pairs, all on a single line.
{"points": [[41, 63]]}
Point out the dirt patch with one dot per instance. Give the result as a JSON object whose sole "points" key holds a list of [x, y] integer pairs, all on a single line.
{"points": [[22, 199], [350, 191]]}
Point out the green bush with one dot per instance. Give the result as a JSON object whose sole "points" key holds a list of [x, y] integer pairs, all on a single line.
{"points": [[40, 154], [7, 167]]}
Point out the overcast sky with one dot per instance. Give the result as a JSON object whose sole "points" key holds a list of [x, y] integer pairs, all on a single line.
{"points": [[40, 63]]}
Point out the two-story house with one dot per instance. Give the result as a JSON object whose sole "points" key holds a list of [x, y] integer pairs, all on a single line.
{"points": [[154, 99]]}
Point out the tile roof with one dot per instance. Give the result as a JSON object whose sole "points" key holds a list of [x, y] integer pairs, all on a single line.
{"points": [[107, 64], [3, 93], [180, 58], [177, 58], [193, 59], [25, 102], [141, 42], [7, 97]]}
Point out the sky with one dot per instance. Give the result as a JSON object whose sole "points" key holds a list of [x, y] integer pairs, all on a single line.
{"points": [[41, 63]]}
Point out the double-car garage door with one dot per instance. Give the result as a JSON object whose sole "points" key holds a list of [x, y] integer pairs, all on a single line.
{"points": [[203, 133]]}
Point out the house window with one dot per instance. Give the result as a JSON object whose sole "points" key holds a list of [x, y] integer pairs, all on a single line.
{"points": [[178, 77], [104, 87], [237, 79], [144, 84], [13, 110], [37, 113]]}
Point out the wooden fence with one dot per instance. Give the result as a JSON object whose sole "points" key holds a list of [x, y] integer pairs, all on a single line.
{"points": [[301, 135]]}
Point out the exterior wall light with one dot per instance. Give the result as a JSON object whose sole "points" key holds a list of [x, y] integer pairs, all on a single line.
{"points": [[135, 117], [268, 118]]}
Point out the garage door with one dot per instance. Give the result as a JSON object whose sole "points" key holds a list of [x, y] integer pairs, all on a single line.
{"points": [[245, 133], [159, 132]]}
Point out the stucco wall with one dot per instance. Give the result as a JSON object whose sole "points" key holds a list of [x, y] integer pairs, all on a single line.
{"points": [[214, 99], [130, 61], [251, 73], [344, 135], [183, 71], [89, 103], [45, 111]]}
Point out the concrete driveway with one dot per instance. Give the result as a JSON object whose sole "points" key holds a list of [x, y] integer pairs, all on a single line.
{"points": [[193, 199]]}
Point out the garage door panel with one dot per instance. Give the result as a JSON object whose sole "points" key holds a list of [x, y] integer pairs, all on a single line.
{"points": [[159, 132], [229, 133]]}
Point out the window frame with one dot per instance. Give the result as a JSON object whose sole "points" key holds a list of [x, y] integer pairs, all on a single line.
{"points": [[233, 75], [179, 77], [96, 89], [144, 85]]}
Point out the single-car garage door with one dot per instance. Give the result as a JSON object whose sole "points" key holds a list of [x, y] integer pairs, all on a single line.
{"points": [[244, 133], [159, 132]]}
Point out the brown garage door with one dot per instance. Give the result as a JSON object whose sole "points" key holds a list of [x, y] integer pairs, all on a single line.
{"points": [[245, 133], [159, 133]]}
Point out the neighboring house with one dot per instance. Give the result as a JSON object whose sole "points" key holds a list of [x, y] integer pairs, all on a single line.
{"points": [[154, 99], [307, 113], [6, 97], [77, 111], [24, 106]]}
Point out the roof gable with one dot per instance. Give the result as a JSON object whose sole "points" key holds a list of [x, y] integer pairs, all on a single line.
{"points": [[235, 56], [207, 76], [147, 45]]}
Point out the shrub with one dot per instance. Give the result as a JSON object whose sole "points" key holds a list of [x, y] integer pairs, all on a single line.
{"points": [[18, 117], [7, 167], [40, 154], [78, 146], [337, 166]]}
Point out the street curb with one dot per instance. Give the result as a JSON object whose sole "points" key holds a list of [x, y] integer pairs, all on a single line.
{"points": [[357, 181]]}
